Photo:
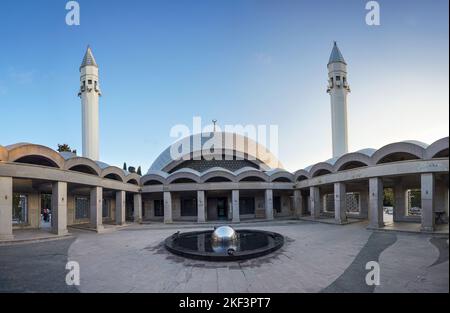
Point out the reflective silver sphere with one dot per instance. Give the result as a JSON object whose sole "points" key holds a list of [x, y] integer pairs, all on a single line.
{"points": [[224, 247], [223, 234]]}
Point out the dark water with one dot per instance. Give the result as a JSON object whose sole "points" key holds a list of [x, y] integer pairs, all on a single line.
{"points": [[201, 242]]}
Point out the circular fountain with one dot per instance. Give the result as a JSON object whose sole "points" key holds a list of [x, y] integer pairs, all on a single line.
{"points": [[224, 244]]}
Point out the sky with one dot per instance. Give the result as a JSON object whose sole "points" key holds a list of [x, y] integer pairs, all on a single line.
{"points": [[249, 62]]}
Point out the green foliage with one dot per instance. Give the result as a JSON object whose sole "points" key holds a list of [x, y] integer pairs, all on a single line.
{"points": [[388, 199], [64, 148]]}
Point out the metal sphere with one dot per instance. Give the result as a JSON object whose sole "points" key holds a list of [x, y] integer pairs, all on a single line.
{"points": [[224, 234]]}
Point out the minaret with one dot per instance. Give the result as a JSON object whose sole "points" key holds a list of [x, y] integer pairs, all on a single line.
{"points": [[338, 89], [89, 93]]}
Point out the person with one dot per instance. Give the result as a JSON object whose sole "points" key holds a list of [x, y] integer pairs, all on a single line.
{"points": [[45, 215]]}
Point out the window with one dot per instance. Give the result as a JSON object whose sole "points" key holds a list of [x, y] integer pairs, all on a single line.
{"points": [[20, 209], [353, 202], [90, 81], [277, 204], [188, 207], [81, 207], [338, 78], [159, 207], [105, 208], [247, 205]]}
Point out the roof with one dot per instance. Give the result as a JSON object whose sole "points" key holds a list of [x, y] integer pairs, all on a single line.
{"points": [[198, 145], [336, 55], [88, 59]]}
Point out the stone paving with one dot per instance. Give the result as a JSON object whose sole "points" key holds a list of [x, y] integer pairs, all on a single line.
{"points": [[315, 258]]}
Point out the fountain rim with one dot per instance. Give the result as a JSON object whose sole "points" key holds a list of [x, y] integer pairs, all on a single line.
{"points": [[213, 257]]}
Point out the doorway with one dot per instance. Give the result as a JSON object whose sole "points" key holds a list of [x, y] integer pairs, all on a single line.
{"points": [[222, 208], [46, 211]]}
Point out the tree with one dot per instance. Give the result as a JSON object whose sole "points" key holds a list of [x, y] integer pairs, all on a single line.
{"points": [[124, 166], [139, 172], [388, 198], [64, 148]]}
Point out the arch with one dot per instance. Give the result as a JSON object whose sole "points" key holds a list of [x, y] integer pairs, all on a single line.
{"points": [[83, 165], [250, 174], [300, 175], [37, 160], [132, 181], [399, 151], [281, 179], [217, 175], [154, 179], [351, 160], [184, 175], [438, 149], [34, 154], [183, 180], [152, 182], [132, 178], [280, 176], [114, 173], [319, 169]]}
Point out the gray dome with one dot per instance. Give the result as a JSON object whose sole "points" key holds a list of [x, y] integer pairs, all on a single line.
{"points": [[257, 153]]}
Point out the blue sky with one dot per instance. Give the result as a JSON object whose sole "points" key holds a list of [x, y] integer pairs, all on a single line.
{"points": [[239, 61]]}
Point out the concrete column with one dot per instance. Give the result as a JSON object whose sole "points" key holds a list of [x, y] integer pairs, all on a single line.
{"points": [[376, 203], [6, 201], [120, 207], [167, 207], [59, 208], [96, 202], [340, 203], [137, 204], [314, 197], [268, 205], [427, 193], [399, 202], [235, 205], [298, 203], [201, 207]]}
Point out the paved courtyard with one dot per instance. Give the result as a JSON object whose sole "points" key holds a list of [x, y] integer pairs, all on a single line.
{"points": [[315, 258]]}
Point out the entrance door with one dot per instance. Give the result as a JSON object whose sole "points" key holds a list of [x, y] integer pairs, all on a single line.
{"points": [[222, 208], [46, 211]]}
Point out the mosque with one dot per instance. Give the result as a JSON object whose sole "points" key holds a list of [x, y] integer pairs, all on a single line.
{"points": [[236, 184]]}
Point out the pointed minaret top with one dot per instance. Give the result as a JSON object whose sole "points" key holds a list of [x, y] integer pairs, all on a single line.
{"points": [[88, 59], [336, 55]]}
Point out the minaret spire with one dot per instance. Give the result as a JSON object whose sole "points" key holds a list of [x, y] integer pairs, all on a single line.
{"points": [[338, 89], [89, 94]]}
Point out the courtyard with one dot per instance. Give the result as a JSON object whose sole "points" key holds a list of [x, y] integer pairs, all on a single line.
{"points": [[316, 257]]}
